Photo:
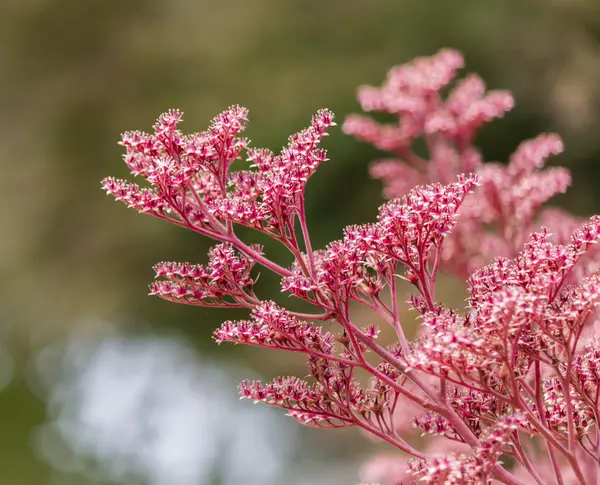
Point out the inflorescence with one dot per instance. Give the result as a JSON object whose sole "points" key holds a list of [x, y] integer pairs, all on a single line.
{"points": [[506, 389]]}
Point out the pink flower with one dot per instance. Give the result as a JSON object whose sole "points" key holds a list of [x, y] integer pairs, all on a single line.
{"points": [[504, 390]]}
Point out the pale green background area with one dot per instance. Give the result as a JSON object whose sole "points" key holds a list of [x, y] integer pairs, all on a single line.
{"points": [[101, 384]]}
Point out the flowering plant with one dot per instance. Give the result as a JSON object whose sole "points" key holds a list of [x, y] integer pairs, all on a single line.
{"points": [[508, 389]]}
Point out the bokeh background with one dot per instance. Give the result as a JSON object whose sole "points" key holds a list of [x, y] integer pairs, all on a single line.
{"points": [[100, 384]]}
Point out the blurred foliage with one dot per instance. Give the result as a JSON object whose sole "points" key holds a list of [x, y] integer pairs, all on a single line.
{"points": [[76, 73]]}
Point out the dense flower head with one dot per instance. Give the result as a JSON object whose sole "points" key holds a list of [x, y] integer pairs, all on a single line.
{"points": [[516, 192], [540, 270], [504, 390], [304, 402], [273, 326], [422, 218], [587, 372], [412, 92], [434, 424], [314, 404], [409, 228], [225, 281], [581, 414], [513, 303], [144, 200], [191, 179], [455, 351]]}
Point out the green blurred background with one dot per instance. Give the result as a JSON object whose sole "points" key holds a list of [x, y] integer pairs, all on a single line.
{"points": [[100, 384]]}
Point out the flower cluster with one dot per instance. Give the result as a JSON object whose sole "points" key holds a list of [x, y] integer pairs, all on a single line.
{"points": [[192, 184], [412, 91], [226, 281], [276, 327], [504, 390], [502, 213]]}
